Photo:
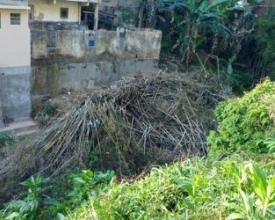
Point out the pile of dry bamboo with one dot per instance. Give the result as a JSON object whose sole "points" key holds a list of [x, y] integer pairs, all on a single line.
{"points": [[140, 123]]}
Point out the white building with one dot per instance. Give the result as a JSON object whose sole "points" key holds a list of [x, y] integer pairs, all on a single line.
{"points": [[14, 60], [68, 11]]}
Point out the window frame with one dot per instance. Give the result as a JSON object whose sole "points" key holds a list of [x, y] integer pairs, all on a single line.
{"points": [[64, 11], [15, 20]]}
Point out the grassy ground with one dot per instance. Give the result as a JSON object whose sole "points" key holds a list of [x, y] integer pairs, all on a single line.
{"points": [[237, 187]]}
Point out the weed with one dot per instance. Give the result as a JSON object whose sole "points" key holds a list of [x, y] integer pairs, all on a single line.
{"points": [[257, 193], [30, 207], [5, 138]]}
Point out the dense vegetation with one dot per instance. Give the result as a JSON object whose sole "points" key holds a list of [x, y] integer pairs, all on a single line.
{"points": [[236, 180], [230, 38], [244, 123], [226, 184]]}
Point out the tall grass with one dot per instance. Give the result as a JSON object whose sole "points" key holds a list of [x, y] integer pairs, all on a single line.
{"points": [[195, 189]]}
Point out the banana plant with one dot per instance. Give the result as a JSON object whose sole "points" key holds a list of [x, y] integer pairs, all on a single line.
{"points": [[196, 22]]}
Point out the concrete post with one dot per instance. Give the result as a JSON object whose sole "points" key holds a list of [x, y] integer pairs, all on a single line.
{"points": [[96, 16]]}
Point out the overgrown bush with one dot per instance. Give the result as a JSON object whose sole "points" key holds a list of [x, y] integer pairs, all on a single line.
{"points": [[244, 122], [29, 207]]}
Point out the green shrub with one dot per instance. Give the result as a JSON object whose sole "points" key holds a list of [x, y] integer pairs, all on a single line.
{"points": [[37, 203], [30, 206], [243, 122], [5, 138]]}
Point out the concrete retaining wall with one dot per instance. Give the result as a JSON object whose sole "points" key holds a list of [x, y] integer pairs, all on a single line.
{"points": [[81, 59], [89, 46], [1, 115], [51, 79]]}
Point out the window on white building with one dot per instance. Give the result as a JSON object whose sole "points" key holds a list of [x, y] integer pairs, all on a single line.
{"points": [[0, 19], [64, 13], [15, 19]]}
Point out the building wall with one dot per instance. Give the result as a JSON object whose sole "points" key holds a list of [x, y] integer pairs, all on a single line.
{"points": [[128, 3], [14, 40], [109, 3], [14, 2], [47, 11], [15, 101], [265, 7], [120, 3]]}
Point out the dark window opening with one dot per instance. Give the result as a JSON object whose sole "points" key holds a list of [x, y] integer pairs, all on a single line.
{"points": [[15, 19], [64, 13]]}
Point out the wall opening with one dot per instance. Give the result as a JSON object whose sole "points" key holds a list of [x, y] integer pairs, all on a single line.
{"points": [[105, 19], [64, 13], [15, 19]]}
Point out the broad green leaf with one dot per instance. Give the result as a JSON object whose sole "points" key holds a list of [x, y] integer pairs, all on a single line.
{"points": [[13, 215], [79, 180], [51, 201], [234, 216], [248, 204]]}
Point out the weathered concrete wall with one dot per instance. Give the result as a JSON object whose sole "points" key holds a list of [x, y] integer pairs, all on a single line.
{"points": [[107, 45], [1, 115], [75, 60], [50, 79], [15, 93]]}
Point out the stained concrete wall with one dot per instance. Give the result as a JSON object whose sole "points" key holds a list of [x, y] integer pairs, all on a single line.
{"points": [[108, 46], [1, 115], [51, 79], [64, 59], [15, 93]]}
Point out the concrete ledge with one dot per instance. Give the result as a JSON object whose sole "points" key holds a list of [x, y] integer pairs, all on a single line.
{"points": [[20, 70], [21, 128]]}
